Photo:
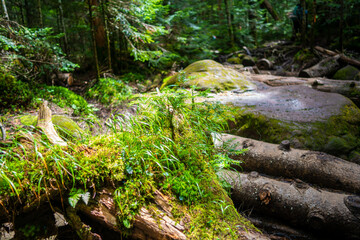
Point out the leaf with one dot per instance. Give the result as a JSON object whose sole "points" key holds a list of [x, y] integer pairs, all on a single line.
{"points": [[74, 199], [126, 223], [85, 197]]}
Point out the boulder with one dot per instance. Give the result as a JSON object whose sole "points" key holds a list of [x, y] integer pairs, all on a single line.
{"points": [[248, 61], [208, 74], [65, 125], [234, 60], [310, 119], [347, 73]]}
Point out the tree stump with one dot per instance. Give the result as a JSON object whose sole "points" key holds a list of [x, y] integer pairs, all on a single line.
{"points": [[46, 125]]}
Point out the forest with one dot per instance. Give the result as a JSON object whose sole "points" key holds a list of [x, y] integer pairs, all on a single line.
{"points": [[169, 119]]}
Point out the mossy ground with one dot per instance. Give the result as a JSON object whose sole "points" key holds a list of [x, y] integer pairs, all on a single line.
{"points": [[165, 147]]}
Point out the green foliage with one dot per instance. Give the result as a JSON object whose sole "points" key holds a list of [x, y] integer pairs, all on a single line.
{"points": [[30, 53], [13, 93], [64, 97], [76, 194], [110, 91]]}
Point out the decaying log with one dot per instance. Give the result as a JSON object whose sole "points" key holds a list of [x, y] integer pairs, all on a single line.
{"points": [[325, 67], [300, 205], [343, 58], [46, 125], [145, 225], [343, 87], [313, 167]]}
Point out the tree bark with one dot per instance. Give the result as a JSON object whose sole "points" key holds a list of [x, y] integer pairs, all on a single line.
{"points": [[230, 26], [40, 13], [93, 37], [341, 26], [297, 203], [313, 167], [266, 4], [325, 68], [5, 10], [46, 125], [63, 27], [303, 23]]}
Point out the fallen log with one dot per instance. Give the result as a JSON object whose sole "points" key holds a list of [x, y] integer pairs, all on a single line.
{"points": [[343, 58], [325, 67], [299, 205], [145, 225], [313, 167], [264, 64], [156, 224]]}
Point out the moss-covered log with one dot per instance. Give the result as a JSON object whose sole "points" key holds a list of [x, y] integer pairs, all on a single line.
{"points": [[314, 167], [298, 204], [326, 67]]}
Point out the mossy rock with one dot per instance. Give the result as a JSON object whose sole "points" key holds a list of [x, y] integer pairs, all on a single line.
{"points": [[208, 74], [310, 119], [234, 60], [248, 61], [65, 125], [347, 73]]}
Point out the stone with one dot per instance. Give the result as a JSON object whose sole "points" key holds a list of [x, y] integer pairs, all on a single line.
{"points": [[248, 61], [347, 73], [234, 60], [308, 118], [208, 74]]}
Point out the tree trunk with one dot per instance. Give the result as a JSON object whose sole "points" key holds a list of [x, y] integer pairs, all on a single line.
{"points": [[325, 68], [40, 13], [266, 4], [46, 125], [313, 167], [108, 44], [230, 26], [341, 27], [303, 23], [252, 21], [297, 203], [5, 10], [63, 27], [93, 37], [29, 16]]}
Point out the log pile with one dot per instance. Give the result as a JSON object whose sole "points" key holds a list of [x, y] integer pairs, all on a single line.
{"points": [[293, 193], [298, 204]]}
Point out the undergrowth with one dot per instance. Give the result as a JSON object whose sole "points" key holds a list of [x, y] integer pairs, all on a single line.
{"points": [[167, 146]]}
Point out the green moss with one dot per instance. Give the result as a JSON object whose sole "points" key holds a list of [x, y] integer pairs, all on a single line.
{"points": [[338, 136], [66, 126], [208, 74], [347, 73], [28, 120], [234, 60]]}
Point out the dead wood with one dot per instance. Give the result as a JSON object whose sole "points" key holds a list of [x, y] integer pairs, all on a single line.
{"points": [[325, 67], [343, 58], [264, 64], [146, 226], [313, 167], [298, 204], [343, 87], [46, 125]]}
